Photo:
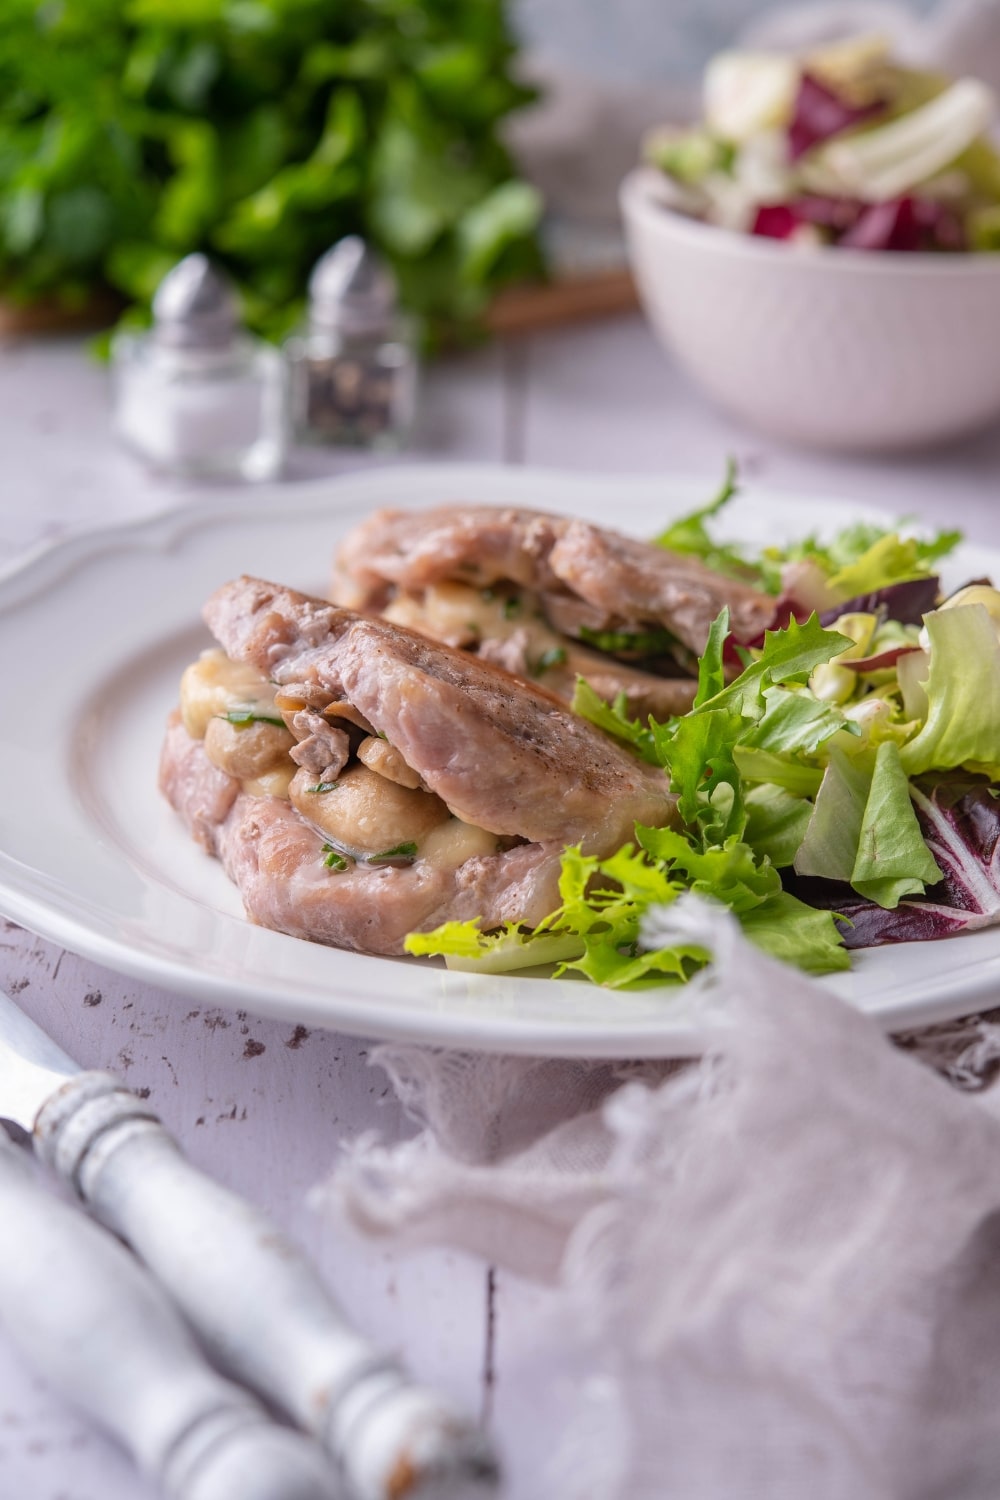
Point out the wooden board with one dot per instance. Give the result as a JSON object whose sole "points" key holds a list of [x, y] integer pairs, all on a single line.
{"points": [[567, 299]]}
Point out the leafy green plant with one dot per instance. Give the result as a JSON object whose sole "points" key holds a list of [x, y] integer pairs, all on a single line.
{"points": [[260, 131]]}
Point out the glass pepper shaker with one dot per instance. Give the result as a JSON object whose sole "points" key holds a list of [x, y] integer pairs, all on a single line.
{"points": [[353, 367], [195, 395]]}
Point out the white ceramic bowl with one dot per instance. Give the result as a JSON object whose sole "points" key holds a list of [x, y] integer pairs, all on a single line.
{"points": [[845, 349]]}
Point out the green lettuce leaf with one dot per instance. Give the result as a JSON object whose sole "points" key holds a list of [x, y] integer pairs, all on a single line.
{"points": [[830, 846], [596, 929], [700, 758], [780, 770], [711, 665], [864, 829], [614, 720], [730, 872], [962, 727], [891, 559], [786, 654], [788, 929], [893, 860], [465, 947], [691, 537], [776, 823], [796, 722], [702, 749], [858, 559], [864, 557]]}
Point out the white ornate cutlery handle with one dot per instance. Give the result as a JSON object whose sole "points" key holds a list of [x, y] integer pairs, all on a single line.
{"points": [[256, 1303], [88, 1316]]}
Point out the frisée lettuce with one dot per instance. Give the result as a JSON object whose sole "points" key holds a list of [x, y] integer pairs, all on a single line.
{"points": [[604, 901], [811, 782]]}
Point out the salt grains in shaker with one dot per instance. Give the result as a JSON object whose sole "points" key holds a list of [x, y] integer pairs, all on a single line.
{"points": [[353, 368], [195, 395]]}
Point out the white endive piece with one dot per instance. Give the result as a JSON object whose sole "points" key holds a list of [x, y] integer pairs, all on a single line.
{"points": [[747, 92], [884, 163]]}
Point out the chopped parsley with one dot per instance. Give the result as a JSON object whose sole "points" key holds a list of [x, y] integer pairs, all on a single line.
{"points": [[398, 851], [555, 656], [243, 717], [639, 642]]}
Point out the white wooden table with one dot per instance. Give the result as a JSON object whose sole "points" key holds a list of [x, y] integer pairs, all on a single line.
{"points": [[264, 1106]]}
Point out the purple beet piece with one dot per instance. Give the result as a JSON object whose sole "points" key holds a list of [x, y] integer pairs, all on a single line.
{"points": [[776, 221]]}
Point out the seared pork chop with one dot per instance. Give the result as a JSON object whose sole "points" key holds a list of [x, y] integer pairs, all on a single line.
{"points": [[501, 754], [627, 583], [565, 587], [460, 788]]}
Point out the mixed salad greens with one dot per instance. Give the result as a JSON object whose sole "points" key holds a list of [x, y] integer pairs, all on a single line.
{"points": [[840, 146], [837, 780]]}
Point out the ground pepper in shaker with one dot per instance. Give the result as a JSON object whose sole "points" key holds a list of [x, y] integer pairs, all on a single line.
{"points": [[195, 395], [353, 368]]}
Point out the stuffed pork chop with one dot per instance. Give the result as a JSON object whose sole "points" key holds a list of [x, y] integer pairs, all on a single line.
{"points": [[359, 781], [548, 597]]}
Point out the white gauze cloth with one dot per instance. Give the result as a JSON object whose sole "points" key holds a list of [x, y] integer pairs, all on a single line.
{"points": [[774, 1273]]}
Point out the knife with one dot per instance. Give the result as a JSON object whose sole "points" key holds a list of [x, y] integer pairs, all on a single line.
{"points": [[253, 1300], [99, 1328]]}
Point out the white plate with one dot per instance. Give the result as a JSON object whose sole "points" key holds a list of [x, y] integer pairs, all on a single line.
{"points": [[94, 634]]}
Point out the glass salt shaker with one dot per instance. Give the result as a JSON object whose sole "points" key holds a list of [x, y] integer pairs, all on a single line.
{"points": [[353, 368], [195, 395]]}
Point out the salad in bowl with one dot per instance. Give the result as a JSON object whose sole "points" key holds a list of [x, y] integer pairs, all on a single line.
{"points": [[751, 239], [841, 146]]}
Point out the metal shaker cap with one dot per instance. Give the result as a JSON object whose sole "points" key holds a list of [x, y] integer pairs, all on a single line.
{"points": [[351, 289], [194, 306]]}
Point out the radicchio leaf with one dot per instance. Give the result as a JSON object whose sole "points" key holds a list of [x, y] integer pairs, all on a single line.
{"points": [[959, 817], [820, 113], [906, 602], [886, 226], [906, 224], [879, 662]]}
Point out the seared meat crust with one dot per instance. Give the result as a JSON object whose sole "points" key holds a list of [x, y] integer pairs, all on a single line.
{"points": [[501, 753], [620, 582], [275, 858]]}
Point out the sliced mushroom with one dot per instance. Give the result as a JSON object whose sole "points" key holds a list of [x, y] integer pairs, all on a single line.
{"points": [[246, 751], [385, 760], [366, 813], [452, 843], [214, 684], [342, 710], [274, 783]]}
